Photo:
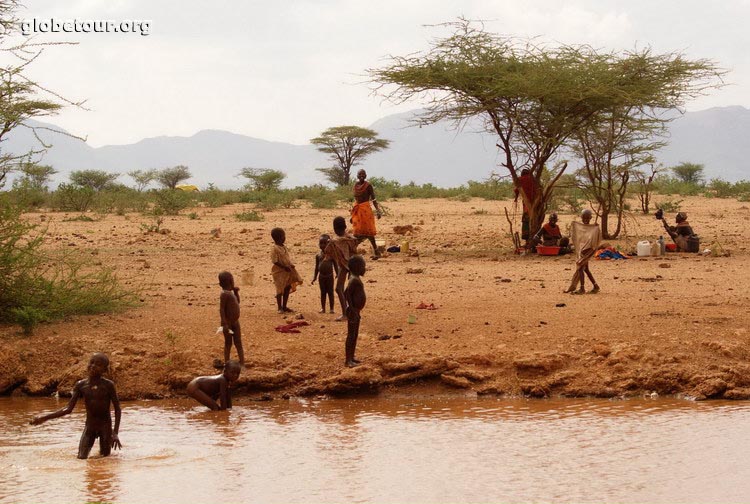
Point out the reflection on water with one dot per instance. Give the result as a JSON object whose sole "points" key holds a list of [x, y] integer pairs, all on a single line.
{"points": [[386, 450]]}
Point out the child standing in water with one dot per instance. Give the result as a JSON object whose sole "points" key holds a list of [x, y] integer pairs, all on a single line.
{"points": [[324, 268], [285, 276], [229, 311], [207, 389], [97, 393], [340, 249], [585, 238], [355, 302]]}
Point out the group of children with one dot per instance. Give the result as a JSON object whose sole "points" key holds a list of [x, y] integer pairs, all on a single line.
{"points": [[337, 258], [338, 255]]}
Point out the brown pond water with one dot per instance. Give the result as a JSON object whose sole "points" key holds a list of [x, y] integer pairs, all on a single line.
{"points": [[387, 450]]}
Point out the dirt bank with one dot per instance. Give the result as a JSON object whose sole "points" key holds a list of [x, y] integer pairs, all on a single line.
{"points": [[673, 325]]}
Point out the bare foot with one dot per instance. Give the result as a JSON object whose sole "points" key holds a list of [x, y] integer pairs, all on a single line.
{"points": [[594, 290], [341, 318], [352, 363], [579, 291], [288, 310], [322, 310], [331, 311], [281, 310]]}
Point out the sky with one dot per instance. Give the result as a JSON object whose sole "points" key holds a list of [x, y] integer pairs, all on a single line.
{"points": [[287, 70]]}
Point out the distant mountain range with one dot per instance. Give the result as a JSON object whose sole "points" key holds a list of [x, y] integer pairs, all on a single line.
{"points": [[716, 137]]}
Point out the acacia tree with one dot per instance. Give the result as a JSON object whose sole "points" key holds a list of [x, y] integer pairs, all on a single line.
{"points": [[533, 97], [611, 148], [263, 179], [97, 180], [645, 184], [142, 178], [21, 98], [690, 173], [170, 177], [36, 176], [347, 146]]}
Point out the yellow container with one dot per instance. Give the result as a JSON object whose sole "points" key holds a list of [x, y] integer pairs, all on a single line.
{"points": [[405, 246]]}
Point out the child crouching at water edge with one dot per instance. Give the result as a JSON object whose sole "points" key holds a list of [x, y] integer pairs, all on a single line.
{"points": [[285, 276], [208, 389], [98, 393], [229, 311]]}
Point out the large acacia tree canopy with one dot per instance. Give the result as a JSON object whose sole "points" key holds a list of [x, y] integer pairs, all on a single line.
{"points": [[522, 86]]}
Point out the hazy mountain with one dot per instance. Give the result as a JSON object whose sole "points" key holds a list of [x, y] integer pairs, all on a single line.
{"points": [[438, 154]]}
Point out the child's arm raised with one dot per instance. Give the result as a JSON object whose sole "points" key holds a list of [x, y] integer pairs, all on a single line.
{"points": [[63, 411]]}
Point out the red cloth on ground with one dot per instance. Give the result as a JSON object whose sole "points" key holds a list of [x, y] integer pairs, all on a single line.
{"points": [[292, 328]]}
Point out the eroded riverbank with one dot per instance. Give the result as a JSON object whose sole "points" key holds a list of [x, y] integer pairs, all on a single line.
{"points": [[672, 325]]}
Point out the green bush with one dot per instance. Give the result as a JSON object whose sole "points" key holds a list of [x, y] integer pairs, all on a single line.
{"points": [[37, 285], [171, 201], [670, 205], [251, 216], [69, 197], [28, 196]]}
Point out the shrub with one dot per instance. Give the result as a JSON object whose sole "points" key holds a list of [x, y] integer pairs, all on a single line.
{"points": [[251, 216], [69, 197], [670, 205], [171, 201], [38, 285]]}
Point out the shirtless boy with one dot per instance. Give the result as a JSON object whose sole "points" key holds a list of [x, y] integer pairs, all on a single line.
{"points": [[324, 269], [355, 302], [229, 311], [208, 389], [340, 249], [97, 393]]}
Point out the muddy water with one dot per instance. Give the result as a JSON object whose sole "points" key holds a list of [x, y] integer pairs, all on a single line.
{"points": [[387, 450]]}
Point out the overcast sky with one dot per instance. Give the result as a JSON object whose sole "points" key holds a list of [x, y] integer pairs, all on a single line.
{"points": [[287, 70]]}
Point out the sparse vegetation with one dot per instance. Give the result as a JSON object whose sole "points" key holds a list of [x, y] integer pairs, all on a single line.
{"points": [[251, 216], [37, 285]]}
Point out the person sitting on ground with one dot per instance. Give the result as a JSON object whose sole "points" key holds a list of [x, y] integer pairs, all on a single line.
{"points": [[97, 393], [549, 235], [341, 247], [229, 311], [208, 389], [585, 238], [355, 302], [363, 222], [285, 276], [679, 233], [324, 270]]}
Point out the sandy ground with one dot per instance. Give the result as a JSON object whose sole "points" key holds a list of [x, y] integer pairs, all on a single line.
{"points": [[670, 325]]}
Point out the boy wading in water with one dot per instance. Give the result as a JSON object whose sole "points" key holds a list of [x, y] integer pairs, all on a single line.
{"points": [[285, 276], [340, 249], [229, 311], [324, 268], [208, 389], [355, 302], [97, 393], [585, 238]]}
